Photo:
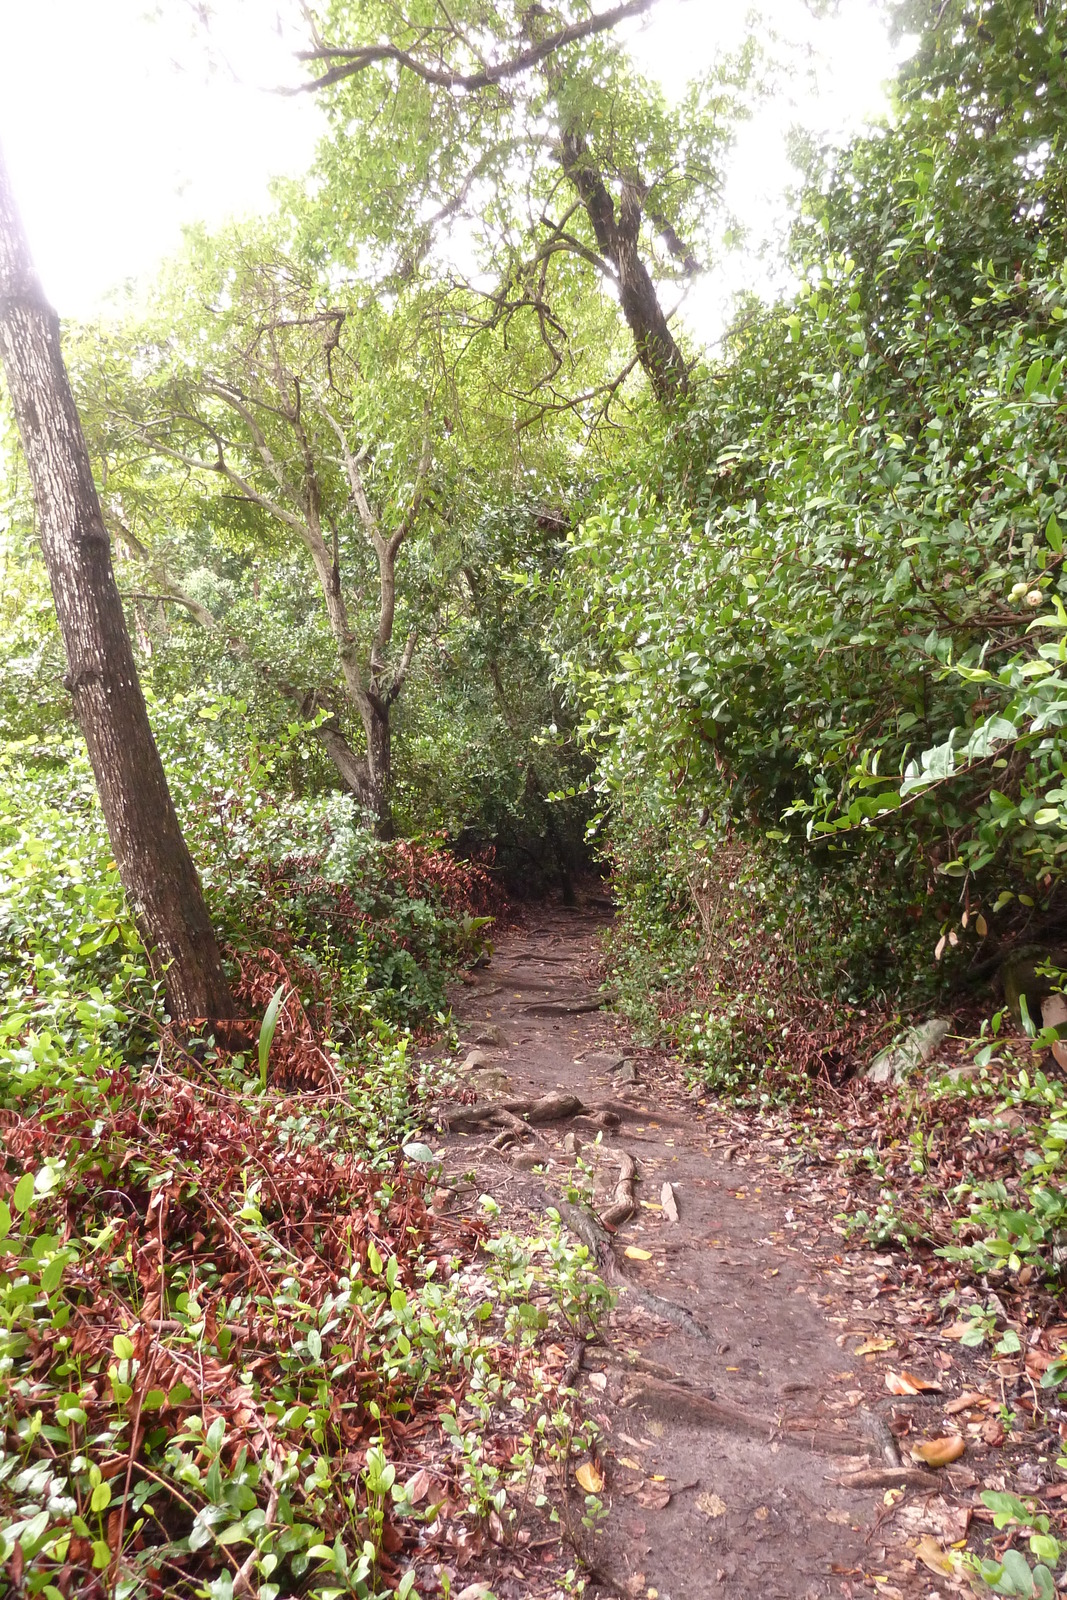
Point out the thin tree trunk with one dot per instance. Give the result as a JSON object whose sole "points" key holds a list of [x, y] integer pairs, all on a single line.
{"points": [[153, 859]]}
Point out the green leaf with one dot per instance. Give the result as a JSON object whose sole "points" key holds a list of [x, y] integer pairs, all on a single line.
{"points": [[266, 1032], [22, 1198]]}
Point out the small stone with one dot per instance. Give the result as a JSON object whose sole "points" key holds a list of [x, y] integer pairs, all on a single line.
{"points": [[474, 1060], [442, 1199], [572, 1144], [603, 1060], [491, 1081], [911, 1051], [627, 1073], [490, 1034]]}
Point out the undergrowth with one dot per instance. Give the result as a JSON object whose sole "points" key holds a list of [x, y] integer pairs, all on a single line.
{"points": [[243, 1347]]}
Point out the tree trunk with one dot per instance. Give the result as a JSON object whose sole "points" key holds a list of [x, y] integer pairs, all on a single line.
{"points": [[380, 764], [153, 859], [618, 237]]}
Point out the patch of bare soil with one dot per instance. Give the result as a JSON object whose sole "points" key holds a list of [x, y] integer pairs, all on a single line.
{"points": [[748, 1443]]}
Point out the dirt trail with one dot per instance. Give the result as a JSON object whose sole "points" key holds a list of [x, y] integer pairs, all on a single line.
{"points": [[754, 1507]]}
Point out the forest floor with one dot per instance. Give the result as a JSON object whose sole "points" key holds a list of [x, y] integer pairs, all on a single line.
{"points": [[749, 1447]]}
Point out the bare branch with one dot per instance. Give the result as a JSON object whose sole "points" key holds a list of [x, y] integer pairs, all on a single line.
{"points": [[350, 62]]}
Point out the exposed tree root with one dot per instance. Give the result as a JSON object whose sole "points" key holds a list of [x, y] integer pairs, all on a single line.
{"points": [[571, 1008], [612, 1356], [605, 1114], [889, 1478], [586, 1228], [623, 1204]]}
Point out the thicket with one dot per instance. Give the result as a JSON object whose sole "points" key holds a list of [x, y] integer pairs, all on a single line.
{"points": [[821, 623]]}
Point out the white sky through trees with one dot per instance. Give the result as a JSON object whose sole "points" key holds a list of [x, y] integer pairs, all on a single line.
{"points": [[122, 121]]}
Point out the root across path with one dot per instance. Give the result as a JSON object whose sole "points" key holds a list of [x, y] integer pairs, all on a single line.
{"points": [[742, 1461]]}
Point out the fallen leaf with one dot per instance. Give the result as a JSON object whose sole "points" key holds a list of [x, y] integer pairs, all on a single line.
{"points": [[589, 1478], [636, 1254], [908, 1383], [969, 1401], [891, 1497], [874, 1346], [418, 1487], [653, 1498], [939, 1452], [841, 1518], [711, 1505], [628, 1461], [932, 1556], [993, 1431]]}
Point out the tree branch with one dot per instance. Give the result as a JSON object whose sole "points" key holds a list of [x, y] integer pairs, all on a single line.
{"points": [[403, 666], [350, 62]]}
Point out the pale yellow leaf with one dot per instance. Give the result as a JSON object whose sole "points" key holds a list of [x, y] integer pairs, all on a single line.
{"points": [[636, 1254], [588, 1478]]}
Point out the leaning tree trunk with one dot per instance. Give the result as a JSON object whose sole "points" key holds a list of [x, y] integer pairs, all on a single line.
{"points": [[153, 858], [618, 237]]}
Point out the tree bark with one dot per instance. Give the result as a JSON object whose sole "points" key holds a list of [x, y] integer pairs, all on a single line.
{"points": [[153, 859], [618, 237]]}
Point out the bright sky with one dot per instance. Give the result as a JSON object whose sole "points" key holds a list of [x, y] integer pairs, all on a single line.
{"points": [[120, 126]]}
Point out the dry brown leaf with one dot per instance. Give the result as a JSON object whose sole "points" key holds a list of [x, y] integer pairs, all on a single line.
{"points": [[654, 1498], [956, 1330], [939, 1452], [418, 1487], [971, 1400], [589, 1478], [635, 1254], [908, 1383], [934, 1557], [711, 1505], [873, 1347]]}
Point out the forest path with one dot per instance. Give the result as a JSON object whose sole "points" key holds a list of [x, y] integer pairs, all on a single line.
{"points": [[704, 1501]]}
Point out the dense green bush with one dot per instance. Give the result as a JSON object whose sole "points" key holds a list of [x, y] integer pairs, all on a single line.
{"points": [[822, 624]]}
